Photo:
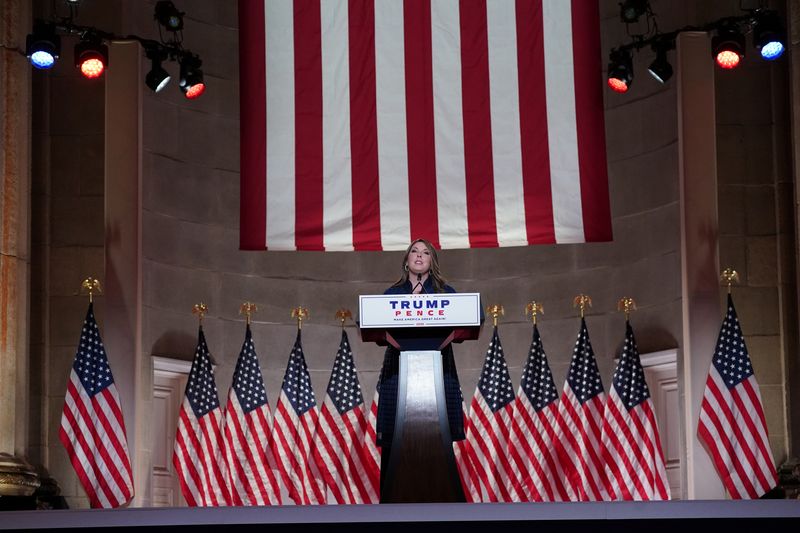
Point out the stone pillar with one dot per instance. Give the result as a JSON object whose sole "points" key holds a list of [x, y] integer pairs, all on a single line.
{"points": [[15, 134]]}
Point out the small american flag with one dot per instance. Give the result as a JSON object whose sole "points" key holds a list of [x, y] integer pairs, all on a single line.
{"points": [[293, 432], [92, 425], [580, 419], [197, 454], [371, 449], [248, 426], [341, 431], [470, 482], [634, 461], [490, 417], [732, 423], [535, 413]]}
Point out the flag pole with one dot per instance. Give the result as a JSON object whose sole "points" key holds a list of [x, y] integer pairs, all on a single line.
{"points": [[627, 305], [342, 315], [247, 309], [583, 302], [200, 310], [728, 276], [300, 313], [532, 309], [495, 311], [91, 285]]}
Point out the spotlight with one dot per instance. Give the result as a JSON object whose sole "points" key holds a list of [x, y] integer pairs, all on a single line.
{"points": [[191, 81], [157, 78], [168, 15], [660, 68], [769, 36], [631, 10], [620, 71], [43, 46], [91, 57], [728, 47]]}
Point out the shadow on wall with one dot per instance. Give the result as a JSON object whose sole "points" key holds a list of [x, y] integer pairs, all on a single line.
{"points": [[649, 338], [176, 345]]}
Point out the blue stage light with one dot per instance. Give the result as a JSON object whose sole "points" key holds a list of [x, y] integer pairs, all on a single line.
{"points": [[43, 46], [42, 59], [772, 50]]}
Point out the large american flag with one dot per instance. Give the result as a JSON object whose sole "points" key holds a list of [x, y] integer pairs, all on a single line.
{"points": [[198, 452], [92, 426], [340, 434], [496, 465], [634, 460], [474, 123], [533, 427], [371, 450], [732, 423], [248, 429], [579, 423], [470, 482], [295, 420]]}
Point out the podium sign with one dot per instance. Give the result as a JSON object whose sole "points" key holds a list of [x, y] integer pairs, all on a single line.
{"points": [[419, 310]]}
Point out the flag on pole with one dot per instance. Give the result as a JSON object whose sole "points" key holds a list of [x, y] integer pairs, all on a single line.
{"points": [[496, 465], [470, 482], [198, 452], [580, 419], [476, 124], [371, 449], [533, 427], [634, 460], [339, 447], [732, 423], [248, 428], [295, 420], [92, 426]]}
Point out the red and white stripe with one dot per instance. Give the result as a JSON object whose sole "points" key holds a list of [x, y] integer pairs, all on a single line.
{"points": [[291, 447], [339, 450], [734, 430], [371, 450], [470, 482], [482, 118], [496, 464], [198, 457], [534, 434], [93, 433], [248, 456], [634, 461], [579, 448]]}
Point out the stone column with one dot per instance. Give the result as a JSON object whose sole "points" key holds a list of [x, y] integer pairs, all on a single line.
{"points": [[16, 477]]}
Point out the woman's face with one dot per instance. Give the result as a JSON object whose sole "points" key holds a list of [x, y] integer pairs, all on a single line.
{"points": [[419, 259]]}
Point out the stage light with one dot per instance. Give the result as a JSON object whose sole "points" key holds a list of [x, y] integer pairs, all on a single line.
{"points": [[728, 47], [620, 71], [660, 68], [631, 10], [157, 78], [91, 57], [43, 46], [191, 81], [769, 36], [168, 15]]}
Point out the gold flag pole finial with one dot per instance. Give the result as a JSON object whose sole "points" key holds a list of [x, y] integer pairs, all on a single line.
{"points": [[90, 286], [627, 306], [342, 315], [247, 309], [532, 309], [200, 310], [728, 276], [583, 302], [495, 311], [300, 313]]}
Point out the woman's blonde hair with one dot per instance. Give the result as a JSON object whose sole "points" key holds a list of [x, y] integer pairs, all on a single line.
{"points": [[435, 272]]}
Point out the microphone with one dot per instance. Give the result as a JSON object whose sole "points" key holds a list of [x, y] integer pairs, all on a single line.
{"points": [[419, 284]]}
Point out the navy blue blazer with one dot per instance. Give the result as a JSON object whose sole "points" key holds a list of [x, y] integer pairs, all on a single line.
{"points": [[388, 382]]}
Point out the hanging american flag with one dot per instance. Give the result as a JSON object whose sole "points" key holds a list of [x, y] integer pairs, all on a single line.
{"points": [[532, 428], [340, 434], [293, 432], [248, 428], [496, 465], [634, 460], [579, 423], [198, 452], [368, 123], [92, 426], [732, 423]]}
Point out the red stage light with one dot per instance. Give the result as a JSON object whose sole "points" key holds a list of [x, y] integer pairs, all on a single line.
{"points": [[617, 85], [195, 91], [728, 59], [92, 68]]}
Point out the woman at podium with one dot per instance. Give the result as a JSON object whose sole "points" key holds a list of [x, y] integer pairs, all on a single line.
{"points": [[421, 275]]}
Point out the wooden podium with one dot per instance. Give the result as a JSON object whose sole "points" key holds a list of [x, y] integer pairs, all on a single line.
{"points": [[422, 465]]}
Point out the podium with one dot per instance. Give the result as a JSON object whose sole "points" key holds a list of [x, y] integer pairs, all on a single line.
{"points": [[421, 466]]}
